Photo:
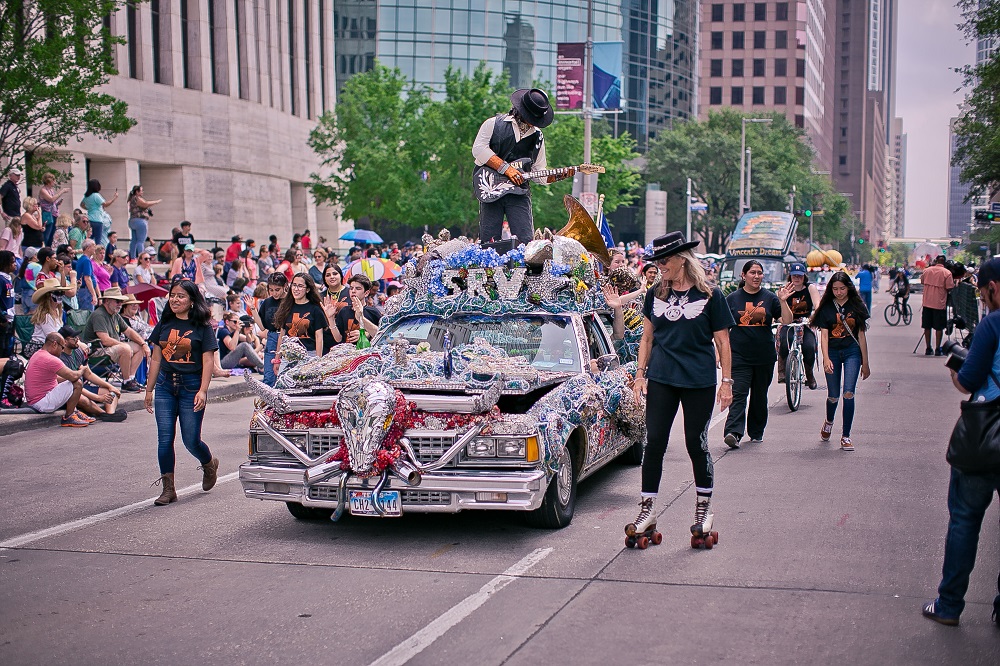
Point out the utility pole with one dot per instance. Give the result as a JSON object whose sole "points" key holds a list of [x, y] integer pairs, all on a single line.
{"points": [[791, 201], [688, 205], [749, 159], [589, 181]]}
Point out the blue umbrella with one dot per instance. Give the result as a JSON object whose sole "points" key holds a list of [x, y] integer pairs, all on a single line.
{"points": [[363, 235]]}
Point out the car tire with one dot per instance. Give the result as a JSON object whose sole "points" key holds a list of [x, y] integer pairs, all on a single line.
{"points": [[308, 512], [633, 454], [559, 502]]}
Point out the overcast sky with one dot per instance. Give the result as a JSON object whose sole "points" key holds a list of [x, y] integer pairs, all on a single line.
{"points": [[929, 46]]}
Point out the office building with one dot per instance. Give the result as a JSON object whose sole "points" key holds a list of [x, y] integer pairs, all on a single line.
{"points": [[864, 38], [424, 37], [770, 56], [897, 169], [224, 95], [959, 210]]}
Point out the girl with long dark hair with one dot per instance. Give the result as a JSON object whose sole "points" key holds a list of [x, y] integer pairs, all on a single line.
{"points": [[184, 346], [802, 300], [301, 316], [754, 309], [685, 322], [842, 319]]}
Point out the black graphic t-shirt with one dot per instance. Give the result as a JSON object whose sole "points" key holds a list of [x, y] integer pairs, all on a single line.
{"points": [[267, 309], [751, 338], [303, 322], [833, 319], [182, 344], [801, 303], [683, 353]]}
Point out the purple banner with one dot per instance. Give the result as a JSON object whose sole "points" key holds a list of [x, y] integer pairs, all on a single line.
{"points": [[569, 76]]}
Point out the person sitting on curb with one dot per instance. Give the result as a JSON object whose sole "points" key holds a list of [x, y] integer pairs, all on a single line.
{"points": [[106, 328], [49, 385], [104, 403]]}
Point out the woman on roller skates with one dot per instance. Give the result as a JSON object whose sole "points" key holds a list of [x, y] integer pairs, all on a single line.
{"points": [[684, 321], [842, 319]]}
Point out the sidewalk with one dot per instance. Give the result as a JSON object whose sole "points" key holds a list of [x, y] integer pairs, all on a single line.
{"points": [[220, 388]]}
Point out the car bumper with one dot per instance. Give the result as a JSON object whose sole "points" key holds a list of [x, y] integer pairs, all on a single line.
{"points": [[447, 491]]}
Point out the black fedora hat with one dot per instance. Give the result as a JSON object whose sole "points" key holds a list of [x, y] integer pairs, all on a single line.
{"points": [[533, 106], [670, 244]]}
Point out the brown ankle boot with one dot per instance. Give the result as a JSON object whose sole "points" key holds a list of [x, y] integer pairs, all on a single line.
{"points": [[781, 370], [169, 494], [210, 471], [810, 379]]}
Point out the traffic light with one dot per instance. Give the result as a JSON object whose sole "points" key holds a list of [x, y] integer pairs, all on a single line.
{"points": [[861, 241], [956, 243], [983, 215], [881, 250], [807, 212]]}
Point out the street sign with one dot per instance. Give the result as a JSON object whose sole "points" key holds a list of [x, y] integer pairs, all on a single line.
{"points": [[699, 206], [995, 207]]}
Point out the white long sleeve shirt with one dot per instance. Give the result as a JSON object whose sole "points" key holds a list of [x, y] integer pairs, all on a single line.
{"points": [[482, 152]]}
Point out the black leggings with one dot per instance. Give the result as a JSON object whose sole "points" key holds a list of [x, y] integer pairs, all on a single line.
{"points": [[661, 408]]}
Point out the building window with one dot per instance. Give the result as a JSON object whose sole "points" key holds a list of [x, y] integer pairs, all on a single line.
{"points": [[307, 49], [800, 95], [800, 67], [781, 39], [759, 67], [715, 67], [738, 40], [718, 14], [241, 59], [760, 11], [843, 160], [716, 41], [843, 131], [292, 78], [781, 67], [737, 68], [759, 39], [781, 11], [322, 57], [132, 39], [758, 94], [739, 12], [780, 95], [190, 80], [715, 96], [736, 96], [154, 11], [800, 121]]}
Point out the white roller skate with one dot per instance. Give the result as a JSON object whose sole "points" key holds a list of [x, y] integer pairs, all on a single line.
{"points": [[642, 531], [702, 535]]}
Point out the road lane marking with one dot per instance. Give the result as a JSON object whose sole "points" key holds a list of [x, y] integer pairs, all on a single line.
{"points": [[80, 523], [419, 641]]}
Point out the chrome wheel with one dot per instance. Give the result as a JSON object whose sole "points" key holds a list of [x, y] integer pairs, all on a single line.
{"points": [[564, 477]]}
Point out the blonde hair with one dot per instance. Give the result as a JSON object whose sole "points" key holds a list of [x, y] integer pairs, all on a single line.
{"points": [[47, 306], [693, 271], [64, 221], [15, 222], [48, 178], [29, 201]]}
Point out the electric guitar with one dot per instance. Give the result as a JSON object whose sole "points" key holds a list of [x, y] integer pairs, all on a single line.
{"points": [[490, 185]]}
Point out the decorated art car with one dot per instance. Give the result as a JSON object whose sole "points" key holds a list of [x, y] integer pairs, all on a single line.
{"points": [[493, 384]]}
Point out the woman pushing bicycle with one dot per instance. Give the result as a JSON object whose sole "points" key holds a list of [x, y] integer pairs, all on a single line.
{"points": [[802, 300]]}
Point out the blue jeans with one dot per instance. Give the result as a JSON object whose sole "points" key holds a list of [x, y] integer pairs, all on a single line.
{"points": [[968, 498], [98, 233], [139, 227], [866, 296], [173, 401], [848, 360], [49, 220], [84, 300], [270, 347]]}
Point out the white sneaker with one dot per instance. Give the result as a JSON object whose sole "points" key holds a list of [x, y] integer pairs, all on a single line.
{"points": [[845, 444]]}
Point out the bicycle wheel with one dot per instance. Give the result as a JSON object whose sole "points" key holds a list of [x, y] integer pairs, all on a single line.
{"points": [[892, 314], [907, 314], [793, 380]]}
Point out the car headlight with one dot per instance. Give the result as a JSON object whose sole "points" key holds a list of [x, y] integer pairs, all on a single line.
{"points": [[522, 448], [264, 443], [511, 448], [482, 447]]}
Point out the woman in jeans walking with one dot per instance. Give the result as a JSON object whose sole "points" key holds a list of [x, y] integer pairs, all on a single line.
{"points": [[685, 322], [842, 319], [184, 347]]}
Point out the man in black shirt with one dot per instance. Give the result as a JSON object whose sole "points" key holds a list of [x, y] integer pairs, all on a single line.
{"points": [[350, 320], [10, 196], [185, 237]]}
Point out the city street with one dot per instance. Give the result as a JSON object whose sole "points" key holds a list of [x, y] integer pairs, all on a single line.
{"points": [[824, 556]]}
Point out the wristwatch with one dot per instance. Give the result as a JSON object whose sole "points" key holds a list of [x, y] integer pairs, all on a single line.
{"points": [[727, 380]]}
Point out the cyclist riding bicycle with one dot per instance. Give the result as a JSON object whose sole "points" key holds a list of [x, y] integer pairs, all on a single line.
{"points": [[900, 288], [802, 301]]}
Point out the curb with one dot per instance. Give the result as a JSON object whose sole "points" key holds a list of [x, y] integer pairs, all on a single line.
{"points": [[219, 389]]}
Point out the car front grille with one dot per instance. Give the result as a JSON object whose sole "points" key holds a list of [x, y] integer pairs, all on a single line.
{"points": [[429, 446], [409, 497]]}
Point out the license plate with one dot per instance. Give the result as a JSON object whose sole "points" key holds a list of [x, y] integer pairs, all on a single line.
{"points": [[361, 503]]}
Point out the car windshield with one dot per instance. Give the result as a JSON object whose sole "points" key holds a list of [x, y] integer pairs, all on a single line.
{"points": [[548, 342], [774, 270]]}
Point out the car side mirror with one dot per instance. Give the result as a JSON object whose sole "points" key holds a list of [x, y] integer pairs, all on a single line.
{"points": [[608, 362]]}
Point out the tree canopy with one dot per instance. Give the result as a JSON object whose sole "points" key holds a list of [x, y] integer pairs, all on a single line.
{"points": [[392, 152], [978, 128], [709, 153], [57, 53]]}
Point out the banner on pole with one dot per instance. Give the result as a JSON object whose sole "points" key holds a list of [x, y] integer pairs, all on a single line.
{"points": [[607, 75], [569, 75]]}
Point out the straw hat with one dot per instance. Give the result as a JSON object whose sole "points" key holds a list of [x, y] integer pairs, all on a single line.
{"points": [[114, 294], [130, 300], [48, 285]]}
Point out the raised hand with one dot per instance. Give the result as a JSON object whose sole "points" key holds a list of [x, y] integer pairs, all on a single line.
{"points": [[611, 296]]}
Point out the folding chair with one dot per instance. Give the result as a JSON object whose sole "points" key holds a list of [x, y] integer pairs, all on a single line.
{"points": [[24, 329]]}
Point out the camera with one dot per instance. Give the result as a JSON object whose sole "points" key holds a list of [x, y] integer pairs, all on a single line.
{"points": [[957, 354]]}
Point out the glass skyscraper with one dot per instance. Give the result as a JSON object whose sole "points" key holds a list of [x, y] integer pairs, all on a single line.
{"points": [[424, 37]]}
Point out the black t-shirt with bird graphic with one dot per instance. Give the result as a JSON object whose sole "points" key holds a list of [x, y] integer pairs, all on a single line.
{"points": [[182, 343], [751, 338]]}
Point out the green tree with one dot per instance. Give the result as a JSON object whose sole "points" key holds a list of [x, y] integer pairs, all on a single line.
{"points": [[370, 146], [709, 153], [978, 128], [56, 54]]}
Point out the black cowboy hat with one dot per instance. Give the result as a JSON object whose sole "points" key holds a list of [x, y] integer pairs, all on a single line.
{"points": [[670, 244], [533, 106]]}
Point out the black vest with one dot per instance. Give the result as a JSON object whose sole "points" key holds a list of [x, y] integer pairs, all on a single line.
{"points": [[503, 144]]}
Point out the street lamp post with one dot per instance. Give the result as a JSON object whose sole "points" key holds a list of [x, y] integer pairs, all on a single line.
{"points": [[743, 153]]}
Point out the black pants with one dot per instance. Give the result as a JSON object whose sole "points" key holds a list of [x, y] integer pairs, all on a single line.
{"points": [[749, 381], [661, 408], [808, 346], [516, 208]]}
